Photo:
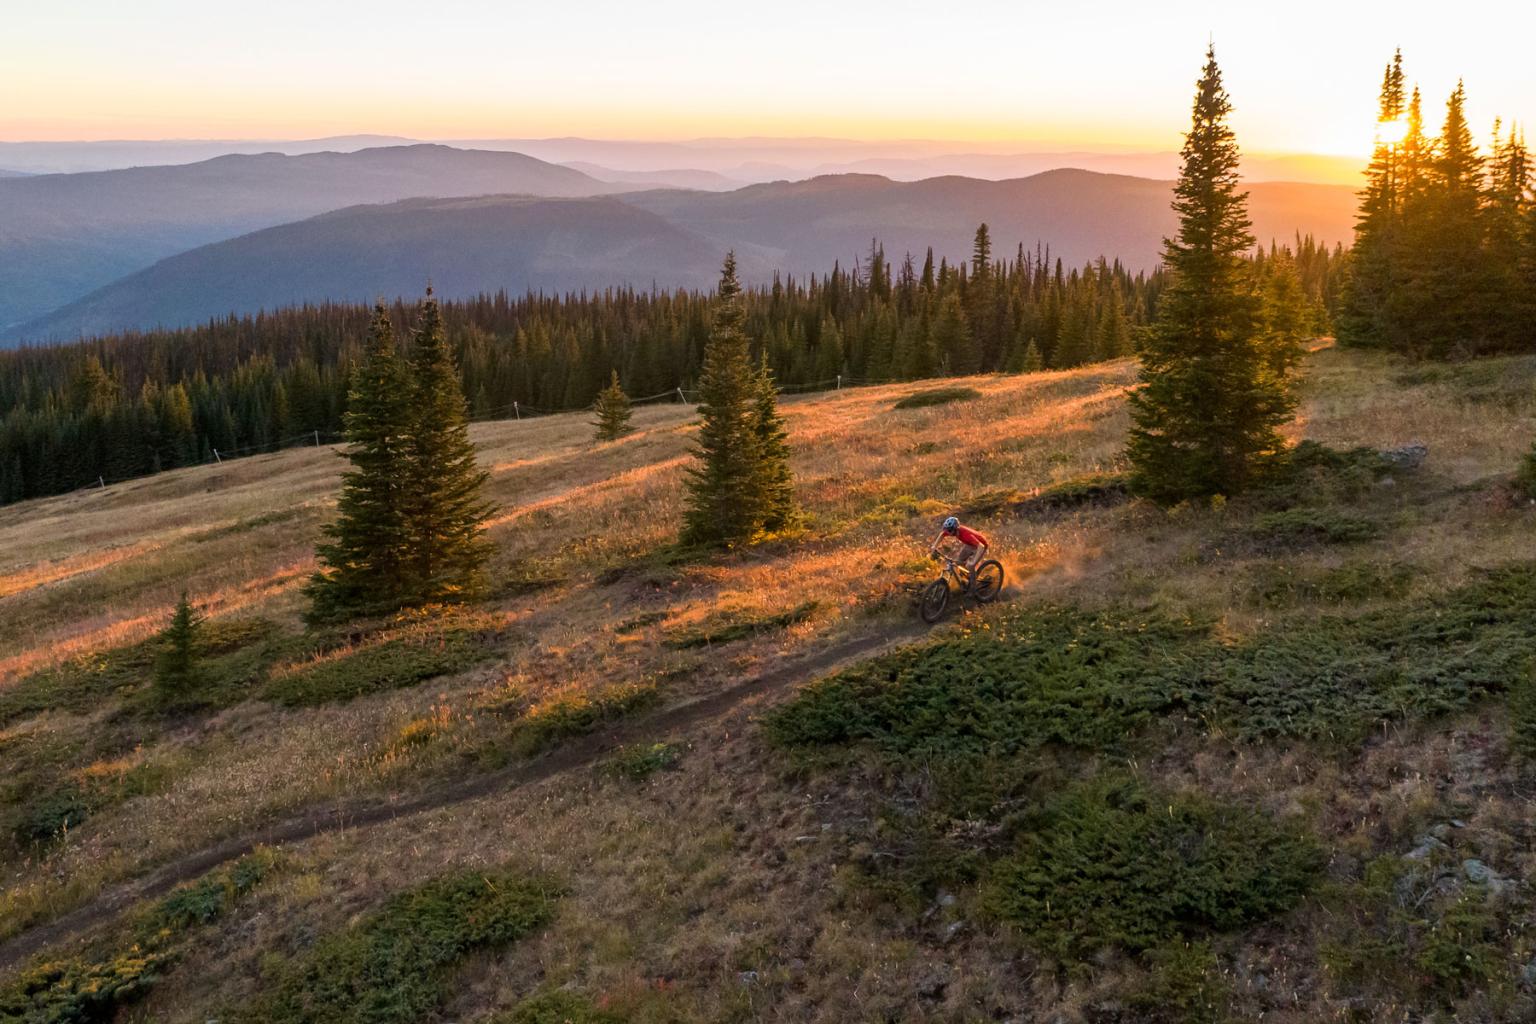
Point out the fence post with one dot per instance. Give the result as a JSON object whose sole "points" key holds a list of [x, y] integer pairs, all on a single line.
{"points": [[317, 439], [681, 400], [102, 482], [839, 382], [216, 459], [516, 412]]}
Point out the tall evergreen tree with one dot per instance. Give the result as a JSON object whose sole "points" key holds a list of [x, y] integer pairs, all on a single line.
{"points": [[613, 411], [723, 489], [1284, 316], [444, 550], [952, 339], [1446, 302], [1206, 417], [176, 669], [775, 485], [1375, 256], [1507, 210], [362, 557]]}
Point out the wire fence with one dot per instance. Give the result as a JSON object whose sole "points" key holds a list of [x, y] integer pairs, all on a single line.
{"points": [[515, 412]]}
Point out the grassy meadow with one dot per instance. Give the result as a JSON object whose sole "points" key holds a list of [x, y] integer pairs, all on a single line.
{"points": [[1305, 686]]}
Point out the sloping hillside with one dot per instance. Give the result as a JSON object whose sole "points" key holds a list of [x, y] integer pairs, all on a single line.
{"points": [[1295, 701], [63, 235]]}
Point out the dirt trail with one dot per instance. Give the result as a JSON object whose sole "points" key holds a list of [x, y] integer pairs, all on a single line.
{"points": [[576, 753]]}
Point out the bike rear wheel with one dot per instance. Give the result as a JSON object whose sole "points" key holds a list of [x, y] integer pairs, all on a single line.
{"points": [[935, 600], [987, 581]]}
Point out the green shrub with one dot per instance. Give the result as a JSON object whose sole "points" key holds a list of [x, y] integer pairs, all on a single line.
{"points": [[1280, 584], [1049, 675], [46, 808], [936, 396], [210, 897], [544, 724], [733, 629], [1314, 526], [94, 987], [1397, 930], [1525, 475], [50, 813], [1313, 473], [1183, 986], [1090, 489], [637, 761], [1112, 864], [84, 990], [1522, 716], [556, 1008], [395, 966], [420, 650]]}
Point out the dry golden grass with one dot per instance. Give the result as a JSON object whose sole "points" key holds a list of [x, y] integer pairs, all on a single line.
{"points": [[718, 869]]}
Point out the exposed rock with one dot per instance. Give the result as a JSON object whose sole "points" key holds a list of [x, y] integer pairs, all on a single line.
{"points": [[1408, 456], [1479, 873], [747, 977], [1424, 847]]}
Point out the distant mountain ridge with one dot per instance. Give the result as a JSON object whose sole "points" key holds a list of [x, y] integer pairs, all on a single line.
{"points": [[461, 246], [667, 237], [64, 235]]}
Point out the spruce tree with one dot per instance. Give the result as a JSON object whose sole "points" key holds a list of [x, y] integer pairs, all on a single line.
{"points": [[1207, 413], [1032, 363], [1372, 277], [1284, 314], [176, 670], [1506, 212], [1445, 304], [612, 409], [723, 489], [952, 340], [444, 550], [775, 485], [363, 553]]}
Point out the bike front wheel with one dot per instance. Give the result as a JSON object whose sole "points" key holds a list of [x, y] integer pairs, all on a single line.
{"points": [[935, 600], [987, 581]]}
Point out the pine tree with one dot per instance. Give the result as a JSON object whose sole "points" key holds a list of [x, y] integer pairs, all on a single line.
{"points": [[723, 490], [1445, 303], [1032, 363], [444, 550], [775, 486], [1206, 417], [1113, 333], [176, 668], [362, 558], [612, 409], [952, 339], [1284, 314], [1506, 213], [1377, 223]]}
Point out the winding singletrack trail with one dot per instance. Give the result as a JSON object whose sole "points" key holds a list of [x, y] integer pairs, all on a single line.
{"points": [[574, 754]]}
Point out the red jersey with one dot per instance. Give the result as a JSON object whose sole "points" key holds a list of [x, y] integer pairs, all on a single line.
{"points": [[969, 537]]}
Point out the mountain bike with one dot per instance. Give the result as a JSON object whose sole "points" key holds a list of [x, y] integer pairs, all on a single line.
{"points": [[983, 583]]}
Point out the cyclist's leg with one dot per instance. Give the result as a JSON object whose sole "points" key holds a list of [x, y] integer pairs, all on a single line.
{"points": [[967, 559]]}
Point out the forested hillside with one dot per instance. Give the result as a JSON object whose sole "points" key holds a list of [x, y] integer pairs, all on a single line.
{"points": [[122, 406]]}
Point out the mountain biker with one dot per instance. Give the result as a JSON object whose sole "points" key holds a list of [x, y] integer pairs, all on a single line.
{"points": [[973, 546]]}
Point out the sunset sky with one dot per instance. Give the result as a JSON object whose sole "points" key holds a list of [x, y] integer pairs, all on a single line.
{"points": [[1003, 73]]}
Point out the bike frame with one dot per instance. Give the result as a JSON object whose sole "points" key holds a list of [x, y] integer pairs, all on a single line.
{"points": [[961, 574]]}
